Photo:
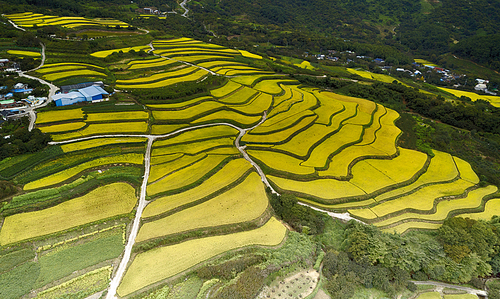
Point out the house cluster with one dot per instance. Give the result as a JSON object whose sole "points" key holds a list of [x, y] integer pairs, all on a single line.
{"points": [[8, 66], [482, 85], [11, 106], [84, 92]]}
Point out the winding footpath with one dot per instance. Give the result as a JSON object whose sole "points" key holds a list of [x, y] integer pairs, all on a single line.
{"points": [[342, 216], [452, 286], [186, 10]]}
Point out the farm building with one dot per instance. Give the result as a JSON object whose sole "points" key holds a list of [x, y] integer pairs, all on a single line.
{"points": [[74, 87], [87, 94]]}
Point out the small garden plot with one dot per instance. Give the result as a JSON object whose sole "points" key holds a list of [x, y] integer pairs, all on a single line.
{"points": [[473, 200], [161, 170], [113, 116], [249, 55], [346, 136], [75, 73], [96, 142], [491, 208], [106, 53], [200, 134], [166, 129], [160, 76], [299, 285], [229, 116], [169, 81], [101, 129], [326, 189], [160, 263], [87, 284], [62, 127], [273, 86], [101, 203], [280, 136], [430, 295], [186, 176], [245, 202], [59, 115], [24, 53], [223, 91], [188, 113], [460, 296], [257, 106], [281, 162], [241, 96], [441, 169], [305, 65], [424, 62], [69, 173], [233, 171], [423, 199], [403, 227], [194, 148]]}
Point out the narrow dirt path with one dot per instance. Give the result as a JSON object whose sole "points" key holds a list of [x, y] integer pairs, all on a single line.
{"points": [[342, 216], [451, 286]]}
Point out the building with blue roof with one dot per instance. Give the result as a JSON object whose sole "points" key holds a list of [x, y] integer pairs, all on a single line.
{"points": [[87, 94]]}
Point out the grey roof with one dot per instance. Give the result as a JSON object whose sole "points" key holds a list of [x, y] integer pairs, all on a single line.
{"points": [[92, 91]]}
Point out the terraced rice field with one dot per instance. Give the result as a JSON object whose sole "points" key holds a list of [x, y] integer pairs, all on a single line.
{"points": [[245, 202], [97, 142], [59, 116], [150, 63], [372, 76], [29, 19], [100, 129], [62, 127], [75, 73], [193, 76], [158, 264], [24, 53], [117, 116], [106, 53], [494, 100], [103, 202]]}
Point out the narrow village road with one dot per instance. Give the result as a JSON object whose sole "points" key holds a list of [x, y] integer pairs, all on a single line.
{"points": [[15, 26], [342, 216], [186, 10], [451, 286]]}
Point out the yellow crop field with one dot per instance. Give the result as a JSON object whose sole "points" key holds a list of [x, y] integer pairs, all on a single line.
{"points": [[159, 171], [363, 213], [275, 124], [441, 169], [128, 115], [101, 203], [286, 96], [69, 173], [282, 135], [160, 263], [61, 75], [494, 100], [281, 162], [347, 135], [160, 76], [424, 62], [373, 76], [339, 164], [181, 104], [196, 58], [24, 53], [443, 208], [106, 53], [305, 65], [147, 61], [99, 129], [211, 64], [223, 91], [61, 115], [245, 202], [249, 55], [327, 109], [423, 199], [239, 72], [241, 96], [466, 172], [165, 129], [230, 173], [163, 62], [403, 227], [96, 142], [346, 205], [492, 208], [186, 176], [272, 86], [258, 105], [198, 134], [189, 112], [169, 81], [30, 19], [194, 148], [229, 116], [322, 188], [371, 131], [165, 158], [45, 70], [197, 49], [250, 79], [70, 64], [301, 143], [62, 127]]}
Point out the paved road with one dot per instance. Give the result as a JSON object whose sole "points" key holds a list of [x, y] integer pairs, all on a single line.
{"points": [[15, 26], [186, 10], [451, 286], [342, 216]]}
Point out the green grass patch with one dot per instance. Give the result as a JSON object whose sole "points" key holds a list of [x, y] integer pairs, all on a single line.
{"points": [[19, 281], [15, 258]]}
